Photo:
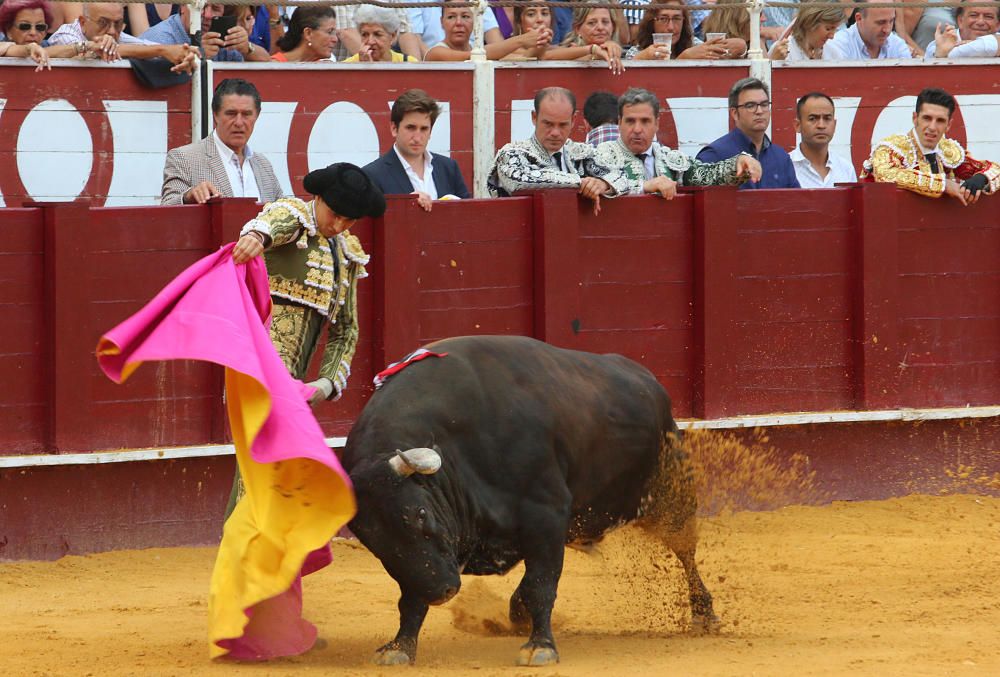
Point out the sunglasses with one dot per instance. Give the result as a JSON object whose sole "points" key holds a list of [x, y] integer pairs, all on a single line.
{"points": [[24, 27]]}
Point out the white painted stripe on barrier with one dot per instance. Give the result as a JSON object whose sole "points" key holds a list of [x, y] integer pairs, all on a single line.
{"points": [[764, 421], [130, 455]]}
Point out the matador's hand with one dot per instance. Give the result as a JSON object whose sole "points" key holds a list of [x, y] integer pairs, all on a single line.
{"points": [[247, 247]]}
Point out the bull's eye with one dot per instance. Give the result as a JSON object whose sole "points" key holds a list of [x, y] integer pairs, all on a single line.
{"points": [[422, 514]]}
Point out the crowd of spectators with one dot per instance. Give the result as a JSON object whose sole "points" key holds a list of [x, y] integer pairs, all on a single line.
{"points": [[650, 30]]}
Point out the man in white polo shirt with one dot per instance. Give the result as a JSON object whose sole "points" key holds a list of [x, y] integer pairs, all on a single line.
{"points": [[815, 166]]}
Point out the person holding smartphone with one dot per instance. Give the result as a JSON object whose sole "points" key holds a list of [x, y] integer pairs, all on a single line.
{"points": [[222, 36]]}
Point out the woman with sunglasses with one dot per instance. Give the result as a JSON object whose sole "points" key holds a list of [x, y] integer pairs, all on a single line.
{"points": [[25, 25]]}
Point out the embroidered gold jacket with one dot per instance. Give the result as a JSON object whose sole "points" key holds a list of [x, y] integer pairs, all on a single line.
{"points": [[898, 159], [306, 268]]}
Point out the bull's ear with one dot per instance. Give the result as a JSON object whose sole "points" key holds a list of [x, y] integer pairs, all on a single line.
{"points": [[420, 460]]}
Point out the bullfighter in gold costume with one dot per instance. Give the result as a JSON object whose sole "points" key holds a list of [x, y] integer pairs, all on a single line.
{"points": [[926, 162]]}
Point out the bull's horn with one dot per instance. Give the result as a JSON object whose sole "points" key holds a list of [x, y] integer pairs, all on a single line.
{"points": [[421, 460]]}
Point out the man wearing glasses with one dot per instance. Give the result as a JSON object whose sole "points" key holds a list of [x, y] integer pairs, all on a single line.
{"points": [[101, 25], [750, 107]]}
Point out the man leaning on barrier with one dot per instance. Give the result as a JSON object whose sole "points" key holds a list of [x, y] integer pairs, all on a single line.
{"points": [[750, 108], [654, 168], [549, 159], [927, 162], [222, 163], [102, 26]]}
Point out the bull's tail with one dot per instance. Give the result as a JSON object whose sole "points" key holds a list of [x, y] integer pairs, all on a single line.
{"points": [[671, 500]]}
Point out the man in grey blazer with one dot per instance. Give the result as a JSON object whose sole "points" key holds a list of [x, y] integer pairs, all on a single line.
{"points": [[222, 164]]}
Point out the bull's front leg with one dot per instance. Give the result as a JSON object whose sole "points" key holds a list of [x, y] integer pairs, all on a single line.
{"points": [[543, 548], [403, 649]]}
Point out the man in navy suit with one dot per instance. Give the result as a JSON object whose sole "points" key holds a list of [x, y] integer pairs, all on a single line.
{"points": [[409, 168]]}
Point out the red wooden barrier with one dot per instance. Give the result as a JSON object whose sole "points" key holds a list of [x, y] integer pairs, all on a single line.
{"points": [[740, 302]]}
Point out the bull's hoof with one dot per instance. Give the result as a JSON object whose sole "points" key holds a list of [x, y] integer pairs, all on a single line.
{"points": [[391, 657], [702, 624], [535, 656]]}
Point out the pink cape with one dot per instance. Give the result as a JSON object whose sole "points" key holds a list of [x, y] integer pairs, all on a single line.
{"points": [[297, 494]]}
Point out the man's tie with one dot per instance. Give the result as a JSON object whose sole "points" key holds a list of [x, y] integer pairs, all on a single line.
{"points": [[557, 158], [645, 170], [932, 159]]}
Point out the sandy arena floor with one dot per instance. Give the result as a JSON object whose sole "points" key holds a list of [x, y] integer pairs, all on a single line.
{"points": [[905, 586]]}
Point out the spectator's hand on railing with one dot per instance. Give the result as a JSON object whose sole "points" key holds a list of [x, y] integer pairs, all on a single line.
{"points": [[748, 167], [106, 48], [211, 43], [610, 52], [200, 193], [662, 186], [946, 38], [38, 54], [712, 50], [424, 200], [184, 57]]}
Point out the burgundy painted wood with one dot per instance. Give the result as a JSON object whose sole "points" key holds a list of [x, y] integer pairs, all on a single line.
{"points": [[740, 302], [715, 302]]}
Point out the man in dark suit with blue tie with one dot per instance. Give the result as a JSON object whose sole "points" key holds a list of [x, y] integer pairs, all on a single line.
{"points": [[409, 168]]}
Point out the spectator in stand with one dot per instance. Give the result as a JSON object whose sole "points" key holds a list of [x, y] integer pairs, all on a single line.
{"points": [[665, 16], [222, 164], [549, 159], [235, 46], [531, 18], [698, 16], [653, 168], [24, 25], [350, 38], [729, 17], [139, 18], [102, 23], [814, 28], [975, 37], [526, 19], [927, 162], [633, 17], [427, 28], [750, 108], [600, 110], [457, 24], [409, 168], [311, 36], [596, 28], [918, 25], [815, 165], [870, 37], [378, 28]]}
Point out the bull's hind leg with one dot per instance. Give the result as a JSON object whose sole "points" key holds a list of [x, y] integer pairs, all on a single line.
{"points": [[671, 516], [684, 544]]}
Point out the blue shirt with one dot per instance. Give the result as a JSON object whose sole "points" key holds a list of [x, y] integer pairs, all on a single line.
{"points": [[173, 32], [848, 45], [777, 168]]}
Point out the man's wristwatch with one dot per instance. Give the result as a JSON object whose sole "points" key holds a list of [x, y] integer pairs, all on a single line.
{"points": [[81, 48]]}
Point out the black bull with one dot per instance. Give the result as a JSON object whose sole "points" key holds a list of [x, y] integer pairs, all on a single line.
{"points": [[534, 447]]}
